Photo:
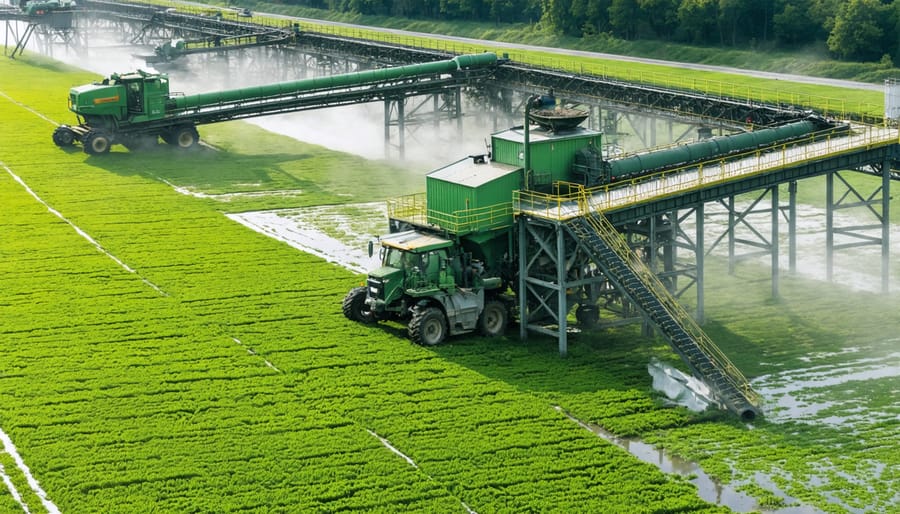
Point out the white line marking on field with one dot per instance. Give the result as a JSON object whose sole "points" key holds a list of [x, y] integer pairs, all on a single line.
{"points": [[79, 231], [12, 489], [29, 109], [10, 448], [252, 352], [387, 444]]}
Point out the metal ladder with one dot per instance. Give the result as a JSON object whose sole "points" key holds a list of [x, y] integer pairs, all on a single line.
{"points": [[625, 269]]}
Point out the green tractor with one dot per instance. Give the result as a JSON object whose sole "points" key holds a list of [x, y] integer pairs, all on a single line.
{"points": [[433, 283]]}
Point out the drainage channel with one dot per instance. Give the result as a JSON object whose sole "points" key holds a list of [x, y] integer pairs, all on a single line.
{"points": [[708, 488]]}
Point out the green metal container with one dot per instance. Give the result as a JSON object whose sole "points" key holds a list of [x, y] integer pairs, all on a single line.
{"points": [[552, 154], [468, 196]]}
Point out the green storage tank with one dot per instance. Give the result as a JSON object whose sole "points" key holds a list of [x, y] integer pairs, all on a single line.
{"points": [[552, 153], [472, 195]]}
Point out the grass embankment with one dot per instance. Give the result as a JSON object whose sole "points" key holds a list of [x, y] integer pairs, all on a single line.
{"points": [[124, 398], [150, 390]]}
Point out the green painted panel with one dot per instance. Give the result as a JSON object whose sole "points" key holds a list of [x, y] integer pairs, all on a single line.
{"points": [[466, 196], [552, 154]]}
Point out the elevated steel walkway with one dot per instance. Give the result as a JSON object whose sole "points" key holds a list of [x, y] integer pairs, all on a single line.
{"points": [[654, 194]]}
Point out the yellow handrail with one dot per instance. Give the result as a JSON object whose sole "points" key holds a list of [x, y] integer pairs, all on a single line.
{"points": [[617, 243]]}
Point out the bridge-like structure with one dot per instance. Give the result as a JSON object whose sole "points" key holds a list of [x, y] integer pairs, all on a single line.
{"points": [[581, 230]]}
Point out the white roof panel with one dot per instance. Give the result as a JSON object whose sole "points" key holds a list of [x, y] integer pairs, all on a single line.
{"points": [[465, 172]]}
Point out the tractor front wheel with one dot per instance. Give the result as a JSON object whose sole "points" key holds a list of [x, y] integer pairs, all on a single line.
{"points": [[96, 143], [355, 308], [428, 326], [63, 136]]}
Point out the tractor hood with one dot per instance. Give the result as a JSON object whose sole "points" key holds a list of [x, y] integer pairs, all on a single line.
{"points": [[97, 99], [385, 273]]}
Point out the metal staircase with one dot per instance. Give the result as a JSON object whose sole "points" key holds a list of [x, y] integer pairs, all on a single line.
{"points": [[635, 280]]}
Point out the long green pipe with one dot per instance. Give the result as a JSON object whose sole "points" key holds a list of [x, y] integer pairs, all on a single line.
{"points": [[178, 103]]}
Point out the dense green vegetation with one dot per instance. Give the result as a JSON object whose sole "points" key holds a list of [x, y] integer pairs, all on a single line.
{"points": [[220, 375], [151, 390]]}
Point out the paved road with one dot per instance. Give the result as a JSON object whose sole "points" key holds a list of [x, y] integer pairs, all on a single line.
{"points": [[581, 53]]}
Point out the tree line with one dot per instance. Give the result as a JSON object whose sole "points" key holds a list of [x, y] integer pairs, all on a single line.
{"points": [[856, 30]]}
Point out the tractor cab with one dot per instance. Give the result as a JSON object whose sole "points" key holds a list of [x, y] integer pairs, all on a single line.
{"points": [[120, 99], [412, 263]]}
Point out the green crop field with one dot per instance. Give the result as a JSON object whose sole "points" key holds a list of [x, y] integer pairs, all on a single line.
{"points": [[156, 356]]}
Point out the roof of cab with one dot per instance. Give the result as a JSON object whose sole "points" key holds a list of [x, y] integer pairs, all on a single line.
{"points": [[413, 241]]}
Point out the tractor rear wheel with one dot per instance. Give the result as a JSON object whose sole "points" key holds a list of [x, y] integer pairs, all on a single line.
{"points": [[493, 319], [355, 308], [96, 143], [63, 136], [184, 137], [428, 326]]}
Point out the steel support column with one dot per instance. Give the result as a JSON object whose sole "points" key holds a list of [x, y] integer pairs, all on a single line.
{"points": [[776, 211], [766, 245], [731, 225], [829, 226], [862, 234], [700, 254], [792, 226], [523, 284], [886, 226], [563, 307]]}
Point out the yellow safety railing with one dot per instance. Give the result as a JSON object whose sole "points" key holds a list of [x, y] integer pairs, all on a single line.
{"points": [[697, 176], [547, 205], [617, 243], [414, 209], [677, 181], [411, 208]]}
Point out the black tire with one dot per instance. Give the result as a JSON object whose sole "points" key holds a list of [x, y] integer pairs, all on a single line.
{"points": [[183, 137], [96, 143], [494, 318], [63, 136], [588, 316], [355, 308], [428, 326]]}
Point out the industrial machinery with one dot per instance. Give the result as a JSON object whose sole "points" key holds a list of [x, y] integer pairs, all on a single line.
{"points": [[448, 265], [43, 7], [135, 109], [437, 284], [451, 264], [591, 169]]}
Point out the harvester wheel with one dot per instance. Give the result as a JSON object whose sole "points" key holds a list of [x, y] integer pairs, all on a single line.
{"points": [[588, 316], [63, 136], [355, 308], [184, 137], [428, 326], [96, 143], [493, 319]]}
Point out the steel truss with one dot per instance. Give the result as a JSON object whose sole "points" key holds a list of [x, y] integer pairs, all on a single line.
{"points": [[877, 204]]}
